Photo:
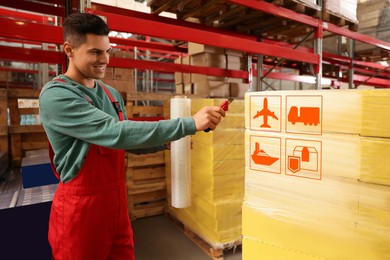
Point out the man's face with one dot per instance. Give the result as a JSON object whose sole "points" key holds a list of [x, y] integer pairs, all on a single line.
{"points": [[91, 58]]}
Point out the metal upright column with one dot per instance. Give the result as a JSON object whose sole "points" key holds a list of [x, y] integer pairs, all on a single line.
{"points": [[318, 50], [351, 71], [260, 66], [250, 74], [84, 4]]}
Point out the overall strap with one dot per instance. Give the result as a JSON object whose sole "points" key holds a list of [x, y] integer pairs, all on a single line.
{"points": [[114, 102]]}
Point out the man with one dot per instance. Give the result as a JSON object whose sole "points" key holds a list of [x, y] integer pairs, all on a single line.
{"points": [[86, 125]]}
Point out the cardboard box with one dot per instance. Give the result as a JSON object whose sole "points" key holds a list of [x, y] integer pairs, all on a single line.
{"points": [[195, 48], [109, 74], [123, 54], [217, 88], [209, 60], [178, 75], [123, 74], [126, 86], [195, 78], [188, 88], [180, 88], [186, 76], [236, 53], [238, 90]]}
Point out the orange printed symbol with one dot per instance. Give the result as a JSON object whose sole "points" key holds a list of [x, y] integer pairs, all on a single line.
{"points": [[261, 157], [265, 113], [294, 163], [303, 158], [307, 115]]}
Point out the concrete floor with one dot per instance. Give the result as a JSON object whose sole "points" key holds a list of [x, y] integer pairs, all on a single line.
{"points": [[159, 238]]}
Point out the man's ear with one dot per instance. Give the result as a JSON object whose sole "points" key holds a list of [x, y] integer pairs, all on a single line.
{"points": [[68, 49]]}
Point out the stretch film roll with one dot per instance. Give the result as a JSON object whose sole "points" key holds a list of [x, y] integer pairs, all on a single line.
{"points": [[181, 158]]}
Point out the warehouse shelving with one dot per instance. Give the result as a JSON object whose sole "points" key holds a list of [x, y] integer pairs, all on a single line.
{"points": [[134, 22]]}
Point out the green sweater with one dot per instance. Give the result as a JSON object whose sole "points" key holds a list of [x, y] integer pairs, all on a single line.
{"points": [[72, 124]]}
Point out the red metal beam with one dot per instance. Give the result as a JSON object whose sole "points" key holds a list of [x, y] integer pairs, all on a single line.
{"points": [[277, 11], [173, 67], [26, 16], [190, 34], [125, 12], [301, 18], [31, 55], [376, 82], [356, 36], [30, 31], [148, 45], [52, 8]]}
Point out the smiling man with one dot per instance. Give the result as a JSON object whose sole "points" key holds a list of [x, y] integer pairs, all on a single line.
{"points": [[88, 132]]}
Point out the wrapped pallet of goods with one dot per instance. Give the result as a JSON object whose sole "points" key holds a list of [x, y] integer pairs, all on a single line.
{"points": [[217, 176], [374, 21], [316, 176], [341, 8]]}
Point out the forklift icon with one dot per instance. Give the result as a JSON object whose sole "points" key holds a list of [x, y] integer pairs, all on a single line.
{"points": [[303, 158]]}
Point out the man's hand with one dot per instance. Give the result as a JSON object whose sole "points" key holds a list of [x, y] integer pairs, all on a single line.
{"points": [[208, 117]]}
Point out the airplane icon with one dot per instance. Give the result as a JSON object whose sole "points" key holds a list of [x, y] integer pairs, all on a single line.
{"points": [[265, 113]]}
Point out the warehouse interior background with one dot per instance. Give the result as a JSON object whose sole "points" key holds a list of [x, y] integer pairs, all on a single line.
{"points": [[328, 54]]}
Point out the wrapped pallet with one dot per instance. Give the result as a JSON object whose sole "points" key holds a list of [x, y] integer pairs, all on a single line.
{"points": [[316, 177], [342, 8], [373, 16], [217, 179]]}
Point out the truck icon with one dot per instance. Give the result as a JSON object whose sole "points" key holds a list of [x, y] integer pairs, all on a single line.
{"points": [[305, 115]]}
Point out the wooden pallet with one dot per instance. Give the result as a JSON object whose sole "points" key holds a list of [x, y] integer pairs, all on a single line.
{"points": [[225, 15], [338, 19], [144, 105], [215, 253], [145, 178]]}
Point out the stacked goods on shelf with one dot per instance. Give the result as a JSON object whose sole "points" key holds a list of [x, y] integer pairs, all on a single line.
{"points": [[316, 180], [145, 173], [373, 16], [211, 86], [345, 9], [217, 159], [26, 133], [121, 78]]}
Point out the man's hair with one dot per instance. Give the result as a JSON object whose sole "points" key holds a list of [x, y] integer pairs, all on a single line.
{"points": [[78, 25]]}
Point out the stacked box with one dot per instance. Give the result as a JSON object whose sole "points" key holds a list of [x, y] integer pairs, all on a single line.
{"points": [[211, 86], [217, 178], [342, 8], [315, 166], [372, 16]]}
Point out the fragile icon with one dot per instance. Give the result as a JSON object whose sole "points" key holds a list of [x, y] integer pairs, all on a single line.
{"points": [[303, 158]]}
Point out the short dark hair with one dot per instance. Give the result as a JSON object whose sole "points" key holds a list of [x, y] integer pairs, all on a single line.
{"points": [[78, 25]]}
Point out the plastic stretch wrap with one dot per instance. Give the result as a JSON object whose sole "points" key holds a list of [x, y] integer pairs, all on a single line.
{"points": [[181, 158], [217, 178], [343, 8], [317, 166], [310, 3]]}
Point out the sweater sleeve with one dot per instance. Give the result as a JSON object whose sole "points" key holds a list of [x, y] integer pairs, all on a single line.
{"points": [[68, 112]]}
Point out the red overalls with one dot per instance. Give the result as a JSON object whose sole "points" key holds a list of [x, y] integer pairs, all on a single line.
{"points": [[89, 216]]}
